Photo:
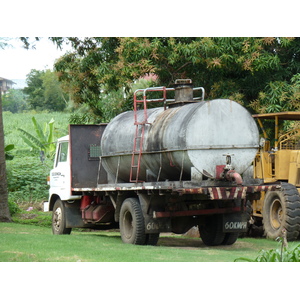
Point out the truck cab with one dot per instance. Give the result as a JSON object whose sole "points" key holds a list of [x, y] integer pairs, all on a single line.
{"points": [[60, 175], [280, 160]]}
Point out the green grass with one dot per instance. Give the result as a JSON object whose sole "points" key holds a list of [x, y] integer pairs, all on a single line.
{"points": [[32, 217], [30, 243]]}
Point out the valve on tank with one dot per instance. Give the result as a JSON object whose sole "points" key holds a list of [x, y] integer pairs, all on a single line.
{"points": [[227, 172]]}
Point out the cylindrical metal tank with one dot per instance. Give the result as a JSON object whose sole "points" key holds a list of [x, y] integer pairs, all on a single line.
{"points": [[195, 135]]}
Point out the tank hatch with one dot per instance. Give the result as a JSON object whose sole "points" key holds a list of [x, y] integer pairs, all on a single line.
{"points": [[184, 93]]}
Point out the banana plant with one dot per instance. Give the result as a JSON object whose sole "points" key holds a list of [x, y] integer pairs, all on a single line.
{"points": [[7, 149], [43, 141]]}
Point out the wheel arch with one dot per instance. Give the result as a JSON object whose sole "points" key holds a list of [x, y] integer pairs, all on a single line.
{"points": [[118, 199], [52, 200]]}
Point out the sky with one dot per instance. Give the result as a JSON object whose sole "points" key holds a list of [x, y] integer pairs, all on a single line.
{"points": [[16, 62]]}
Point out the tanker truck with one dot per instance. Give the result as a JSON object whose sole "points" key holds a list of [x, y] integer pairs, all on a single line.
{"points": [[180, 164]]}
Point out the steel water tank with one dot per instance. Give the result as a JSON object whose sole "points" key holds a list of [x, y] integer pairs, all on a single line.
{"points": [[197, 135]]}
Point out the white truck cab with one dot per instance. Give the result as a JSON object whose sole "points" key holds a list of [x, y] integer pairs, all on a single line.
{"points": [[60, 175]]}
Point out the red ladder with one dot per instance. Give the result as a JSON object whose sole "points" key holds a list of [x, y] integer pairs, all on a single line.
{"points": [[140, 131]]}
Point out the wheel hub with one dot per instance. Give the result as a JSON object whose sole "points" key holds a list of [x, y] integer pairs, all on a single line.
{"points": [[57, 218], [276, 214], [128, 224]]}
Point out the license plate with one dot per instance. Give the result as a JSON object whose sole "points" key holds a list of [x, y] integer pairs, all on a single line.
{"points": [[235, 222]]}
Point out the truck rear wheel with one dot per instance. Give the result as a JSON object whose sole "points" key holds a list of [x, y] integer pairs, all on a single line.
{"points": [[230, 238], [281, 210], [211, 232], [132, 226], [152, 239], [59, 219]]}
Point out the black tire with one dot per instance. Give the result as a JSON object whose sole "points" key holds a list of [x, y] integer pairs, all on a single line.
{"points": [[59, 219], [152, 239], [132, 225], [281, 210], [211, 232], [230, 238]]}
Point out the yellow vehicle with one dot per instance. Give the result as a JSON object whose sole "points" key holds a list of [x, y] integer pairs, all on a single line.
{"points": [[278, 160]]}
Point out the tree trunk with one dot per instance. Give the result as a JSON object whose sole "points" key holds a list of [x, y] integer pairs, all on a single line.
{"points": [[4, 210]]}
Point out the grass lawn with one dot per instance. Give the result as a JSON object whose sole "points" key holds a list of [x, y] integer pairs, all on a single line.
{"points": [[30, 243]]}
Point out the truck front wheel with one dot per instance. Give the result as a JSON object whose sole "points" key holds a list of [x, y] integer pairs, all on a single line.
{"points": [[59, 219], [281, 210], [132, 226]]}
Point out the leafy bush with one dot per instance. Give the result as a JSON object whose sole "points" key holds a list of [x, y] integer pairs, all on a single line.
{"points": [[281, 254], [33, 217], [13, 207], [44, 141], [26, 174], [7, 150], [27, 178], [276, 255]]}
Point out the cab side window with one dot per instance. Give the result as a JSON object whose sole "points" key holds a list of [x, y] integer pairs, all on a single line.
{"points": [[63, 152]]}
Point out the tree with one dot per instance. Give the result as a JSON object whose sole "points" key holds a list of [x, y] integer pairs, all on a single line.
{"points": [[14, 101], [4, 210], [248, 70], [54, 97], [34, 88], [44, 91], [260, 73]]}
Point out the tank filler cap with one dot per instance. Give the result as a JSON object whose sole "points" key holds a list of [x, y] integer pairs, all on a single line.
{"points": [[183, 81], [183, 91]]}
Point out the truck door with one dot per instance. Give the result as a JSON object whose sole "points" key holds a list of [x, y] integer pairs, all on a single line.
{"points": [[60, 174]]}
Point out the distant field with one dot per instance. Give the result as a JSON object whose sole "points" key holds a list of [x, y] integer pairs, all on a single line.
{"points": [[23, 120]]}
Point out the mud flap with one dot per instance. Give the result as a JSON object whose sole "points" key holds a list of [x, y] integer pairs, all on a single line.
{"points": [[73, 215], [235, 222], [157, 225]]}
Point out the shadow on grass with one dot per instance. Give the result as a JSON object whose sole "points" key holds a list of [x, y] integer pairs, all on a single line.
{"points": [[180, 242], [165, 241], [176, 241]]}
